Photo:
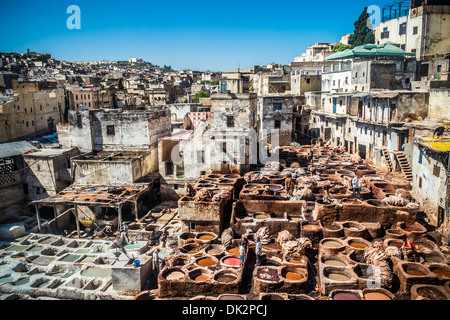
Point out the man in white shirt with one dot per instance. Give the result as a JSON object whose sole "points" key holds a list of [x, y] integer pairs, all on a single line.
{"points": [[355, 186]]}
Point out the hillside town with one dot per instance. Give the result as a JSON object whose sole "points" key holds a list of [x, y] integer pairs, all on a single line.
{"points": [[323, 179]]}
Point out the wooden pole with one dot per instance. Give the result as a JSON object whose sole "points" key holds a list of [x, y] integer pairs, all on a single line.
{"points": [[38, 217], [77, 221]]}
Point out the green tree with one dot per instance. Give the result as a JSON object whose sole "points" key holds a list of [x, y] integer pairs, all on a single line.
{"points": [[200, 94], [120, 84], [341, 47], [42, 57], [370, 38], [361, 33]]}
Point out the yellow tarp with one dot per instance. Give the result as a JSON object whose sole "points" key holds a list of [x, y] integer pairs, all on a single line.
{"points": [[439, 145]]}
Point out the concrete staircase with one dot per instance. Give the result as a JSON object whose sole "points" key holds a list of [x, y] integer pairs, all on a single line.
{"points": [[387, 159], [404, 164]]}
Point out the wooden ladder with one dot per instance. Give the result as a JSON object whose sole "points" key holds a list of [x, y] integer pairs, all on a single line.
{"points": [[404, 164], [387, 159]]}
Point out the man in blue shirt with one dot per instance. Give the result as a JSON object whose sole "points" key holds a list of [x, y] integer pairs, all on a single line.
{"points": [[258, 251]]}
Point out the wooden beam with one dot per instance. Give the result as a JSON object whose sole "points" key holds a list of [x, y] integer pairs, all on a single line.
{"points": [[77, 221], [38, 217]]}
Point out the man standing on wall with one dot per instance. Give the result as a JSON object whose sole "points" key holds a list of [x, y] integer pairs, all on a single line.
{"points": [[355, 186]]}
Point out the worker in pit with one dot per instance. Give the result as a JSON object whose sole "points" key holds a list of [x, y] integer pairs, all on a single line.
{"points": [[258, 251], [123, 233], [241, 253], [288, 185], [155, 260], [409, 251], [356, 187], [326, 192], [311, 157], [267, 191]]}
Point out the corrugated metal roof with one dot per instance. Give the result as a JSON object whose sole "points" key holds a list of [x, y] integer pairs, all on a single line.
{"points": [[15, 148]]}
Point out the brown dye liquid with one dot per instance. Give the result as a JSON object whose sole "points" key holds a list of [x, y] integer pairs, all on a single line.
{"points": [[431, 261], [376, 296], [310, 227], [206, 262], [345, 296], [331, 244], [234, 251], [206, 237], [338, 276], [293, 276], [441, 273], [296, 261], [202, 277], [335, 262], [410, 229], [421, 247], [226, 278], [431, 294], [358, 245], [261, 216], [414, 272], [175, 275]]}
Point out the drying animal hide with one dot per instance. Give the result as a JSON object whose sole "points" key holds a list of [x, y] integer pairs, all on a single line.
{"points": [[297, 247], [190, 190], [224, 193], [255, 177], [293, 173], [396, 200], [307, 182], [376, 256], [264, 235], [304, 194], [227, 237], [273, 167], [392, 251], [355, 158], [284, 236], [203, 195]]}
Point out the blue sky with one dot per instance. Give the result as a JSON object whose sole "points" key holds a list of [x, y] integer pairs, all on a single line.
{"points": [[199, 35]]}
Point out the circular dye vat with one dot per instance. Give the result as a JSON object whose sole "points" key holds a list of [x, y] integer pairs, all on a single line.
{"points": [[6, 279], [297, 261], [414, 272], [441, 272], [201, 277], [336, 276], [358, 245], [312, 227], [332, 244], [261, 216], [175, 275], [206, 237], [334, 262], [345, 296], [376, 296], [226, 277], [268, 274], [231, 297], [431, 293], [231, 261], [293, 276], [206, 262]]}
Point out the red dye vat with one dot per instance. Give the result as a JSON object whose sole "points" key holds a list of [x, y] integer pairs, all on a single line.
{"points": [[232, 261]]}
